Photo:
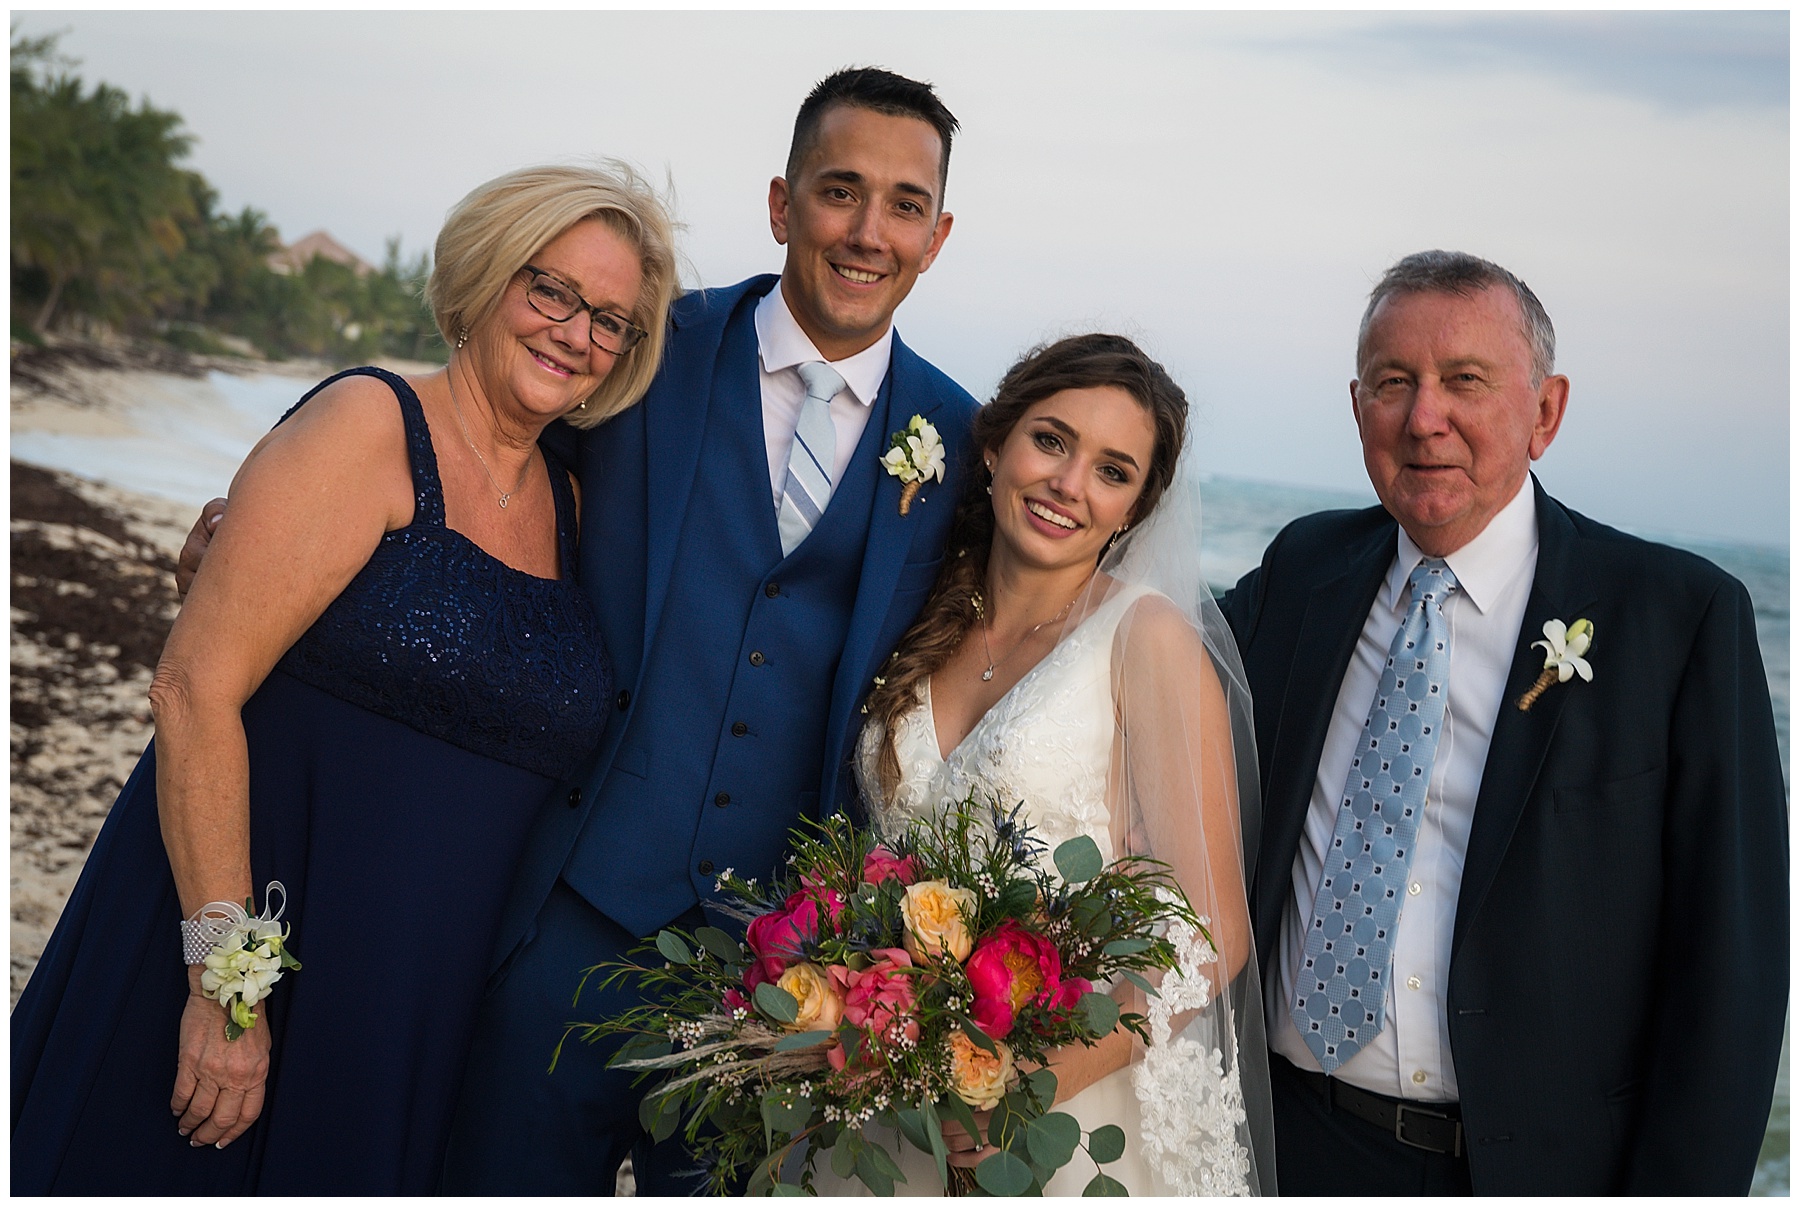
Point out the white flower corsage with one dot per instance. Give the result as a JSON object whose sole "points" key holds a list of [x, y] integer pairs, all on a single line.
{"points": [[915, 456], [1563, 647], [244, 954]]}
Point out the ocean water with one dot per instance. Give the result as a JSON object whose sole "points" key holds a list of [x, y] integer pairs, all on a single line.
{"points": [[187, 441]]}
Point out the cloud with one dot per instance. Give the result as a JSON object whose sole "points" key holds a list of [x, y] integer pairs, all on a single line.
{"points": [[1674, 60]]}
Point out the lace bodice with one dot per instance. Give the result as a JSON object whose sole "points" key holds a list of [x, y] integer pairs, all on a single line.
{"points": [[437, 633], [1047, 742]]}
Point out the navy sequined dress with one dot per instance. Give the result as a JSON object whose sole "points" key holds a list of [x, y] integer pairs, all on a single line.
{"points": [[398, 754]]}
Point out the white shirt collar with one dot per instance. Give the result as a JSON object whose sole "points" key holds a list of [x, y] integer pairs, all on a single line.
{"points": [[1486, 565], [783, 345]]}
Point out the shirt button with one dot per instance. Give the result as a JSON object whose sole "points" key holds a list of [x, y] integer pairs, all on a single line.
{"points": [[574, 798], [1418, 1074], [739, 730], [722, 799], [1415, 888], [1412, 982], [624, 700], [756, 658], [772, 589], [706, 870]]}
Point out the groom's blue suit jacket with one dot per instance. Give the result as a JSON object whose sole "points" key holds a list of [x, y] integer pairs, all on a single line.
{"points": [[1619, 961], [740, 671]]}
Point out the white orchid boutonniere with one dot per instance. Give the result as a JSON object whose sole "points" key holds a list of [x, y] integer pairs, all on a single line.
{"points": [[1563, 647], [915, 456]]}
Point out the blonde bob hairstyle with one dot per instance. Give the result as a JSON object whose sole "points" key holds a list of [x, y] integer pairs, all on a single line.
{"points": [[491, 234]]}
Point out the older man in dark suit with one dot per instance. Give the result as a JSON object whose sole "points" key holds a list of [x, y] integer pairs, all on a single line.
{"points": [[1513, 940]]}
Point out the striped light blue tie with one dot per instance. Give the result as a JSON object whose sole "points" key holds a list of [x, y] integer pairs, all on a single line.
{"points": [[1346, 963], [808, 486]]}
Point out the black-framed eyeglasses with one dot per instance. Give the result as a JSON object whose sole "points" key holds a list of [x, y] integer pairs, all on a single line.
{"points": [[554, 300]]}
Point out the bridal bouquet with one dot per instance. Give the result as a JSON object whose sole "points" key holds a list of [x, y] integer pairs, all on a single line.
{"points": [[897, 985]]}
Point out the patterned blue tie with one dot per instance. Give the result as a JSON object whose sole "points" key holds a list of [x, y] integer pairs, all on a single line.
{"points": [[807, 488], [1340, 1001]]}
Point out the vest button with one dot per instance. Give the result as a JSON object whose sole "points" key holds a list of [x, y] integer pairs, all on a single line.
{"points": [[624, 699], [722, 799], [772, 590], [574, 798], [706, 867], [756, 658], [739, 730]]}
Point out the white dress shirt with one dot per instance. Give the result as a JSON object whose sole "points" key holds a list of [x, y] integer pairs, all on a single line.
{"points": [[782, 347], [1410, 1058]]}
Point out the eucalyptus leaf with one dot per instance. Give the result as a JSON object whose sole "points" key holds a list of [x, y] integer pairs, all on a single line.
{"points": [[958, 1111], [667, 1119], [1106, 1143], [940, 1152], [640, 1047], [843, 1157], [1126, 947], [879, 1157], [1139, 980], [775, 1002], [801, 1039], [1103, 1187], [1004, 1175], [1017, 897], [1052, 1139], [1099, 1013], [871, 1176], [1091, 916], [719, 944], [1043, 1086], [786, 1190], [674, 949], [979, 1038], [784, 1111], [912, 1126], [1078, 860]]}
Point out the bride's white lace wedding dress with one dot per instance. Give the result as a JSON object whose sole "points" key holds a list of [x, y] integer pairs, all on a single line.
{"points": [[1051, 742]]}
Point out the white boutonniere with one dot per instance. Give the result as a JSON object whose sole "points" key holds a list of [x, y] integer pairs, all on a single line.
{"points": [[915, 456], [1563, 647]]}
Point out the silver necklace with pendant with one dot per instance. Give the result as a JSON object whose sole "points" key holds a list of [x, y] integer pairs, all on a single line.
{"points": [[505, 495], [981, 613]]}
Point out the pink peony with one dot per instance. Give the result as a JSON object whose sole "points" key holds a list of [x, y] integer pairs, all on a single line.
{"points": [[1010, 969], [781, 934], [879, 1000], [881, 864], [1069, 992]]}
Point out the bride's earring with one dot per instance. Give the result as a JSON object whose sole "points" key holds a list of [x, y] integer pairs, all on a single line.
{"points": [[990, 469], [1114, 539]]}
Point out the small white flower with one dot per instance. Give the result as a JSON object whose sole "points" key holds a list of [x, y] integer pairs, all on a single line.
{"points": [[1563, 648]]}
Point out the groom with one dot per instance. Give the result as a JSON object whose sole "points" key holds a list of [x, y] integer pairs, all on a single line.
{"points": [[747, 557], [1507, 949]]}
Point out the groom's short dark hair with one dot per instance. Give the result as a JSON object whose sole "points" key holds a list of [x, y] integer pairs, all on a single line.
{"points": [[881, 91]]}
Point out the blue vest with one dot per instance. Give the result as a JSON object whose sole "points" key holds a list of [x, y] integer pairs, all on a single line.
{"points": [[727, 733]]}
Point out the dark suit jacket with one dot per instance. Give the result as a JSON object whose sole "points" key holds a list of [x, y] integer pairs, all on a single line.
{"points": [[1619, 966]]}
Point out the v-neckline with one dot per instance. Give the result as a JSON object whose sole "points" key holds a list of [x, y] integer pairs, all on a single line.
{"points": [[937, 745]]}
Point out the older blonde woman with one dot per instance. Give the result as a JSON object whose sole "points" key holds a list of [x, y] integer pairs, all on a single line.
{"points": [[382, 668]]}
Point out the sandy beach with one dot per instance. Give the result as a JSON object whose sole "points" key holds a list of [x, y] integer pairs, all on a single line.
{"points": [[93, 594]]}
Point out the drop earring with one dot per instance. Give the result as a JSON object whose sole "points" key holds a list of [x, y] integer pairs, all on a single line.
{"points": [[462, 338]]}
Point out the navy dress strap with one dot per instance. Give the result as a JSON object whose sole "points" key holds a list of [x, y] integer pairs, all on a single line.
{"points": [[567, 519], [428, 489]]}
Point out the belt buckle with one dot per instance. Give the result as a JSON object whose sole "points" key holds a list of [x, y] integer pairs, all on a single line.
{"points": [[1456, 1134]]}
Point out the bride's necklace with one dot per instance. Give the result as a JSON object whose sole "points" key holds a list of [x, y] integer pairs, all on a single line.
{"points": [[981, 614], [505, 495]]}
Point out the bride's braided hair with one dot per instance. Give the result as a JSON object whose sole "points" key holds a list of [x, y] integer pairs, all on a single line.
{"points": [[1078, 362]]}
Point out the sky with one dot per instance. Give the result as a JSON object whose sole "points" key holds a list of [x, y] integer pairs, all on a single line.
{"points": [[1223, 187]]}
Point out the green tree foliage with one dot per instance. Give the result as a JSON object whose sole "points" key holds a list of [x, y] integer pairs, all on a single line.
{"points": [[108, 228]]}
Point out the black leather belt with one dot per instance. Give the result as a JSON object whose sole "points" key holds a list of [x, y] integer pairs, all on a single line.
{"points": [[1433, 1126]]}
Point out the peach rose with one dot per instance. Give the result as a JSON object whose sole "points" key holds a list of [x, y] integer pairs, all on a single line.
{"points": [[979, 1077], [936, 920], [821, 1006]]}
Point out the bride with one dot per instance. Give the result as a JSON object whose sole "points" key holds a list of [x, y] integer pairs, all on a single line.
{"points": [[1070, 657]]}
